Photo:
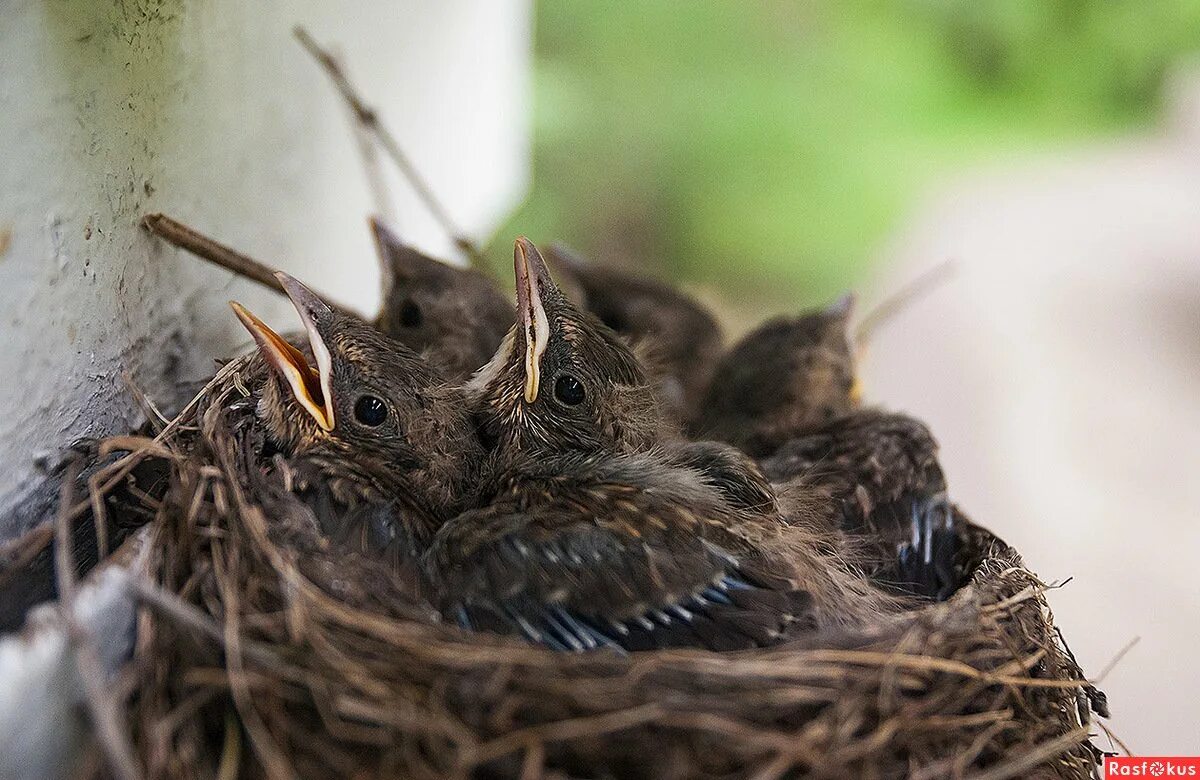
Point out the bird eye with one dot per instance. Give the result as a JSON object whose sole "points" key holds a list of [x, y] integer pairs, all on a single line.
{"points": [[370, 411], [410, 314], [569, 390]]}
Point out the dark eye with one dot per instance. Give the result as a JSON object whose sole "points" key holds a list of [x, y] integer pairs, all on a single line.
{"points": [[370, 410], [410, 314], [568, 390]]}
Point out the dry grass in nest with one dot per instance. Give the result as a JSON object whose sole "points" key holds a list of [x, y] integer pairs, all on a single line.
{"points": [[263, 651]]}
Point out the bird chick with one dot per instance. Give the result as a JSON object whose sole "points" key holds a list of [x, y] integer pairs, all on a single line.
{"points": [[781, 380], [380, 440], [455, 316], [594, 532], [875, 476], [561, 379], [788, 394], [678, 337]]}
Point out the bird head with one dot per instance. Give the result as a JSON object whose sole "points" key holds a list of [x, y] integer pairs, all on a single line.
{"points": [[370, 414], [457, 314], [562, 380], [783, 379]]}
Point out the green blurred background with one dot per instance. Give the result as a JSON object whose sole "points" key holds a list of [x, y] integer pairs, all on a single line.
{"points": [[765, 149]]}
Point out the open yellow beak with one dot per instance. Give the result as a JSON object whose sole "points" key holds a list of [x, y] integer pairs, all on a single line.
{"points": [[309, 386]]}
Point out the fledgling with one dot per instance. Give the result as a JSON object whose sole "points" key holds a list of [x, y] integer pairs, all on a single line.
{"points": [[679, 336], [878, 476], [788, 394], [382, 445], [592, 535], [781, 380], [561, 379], [456, 317]]}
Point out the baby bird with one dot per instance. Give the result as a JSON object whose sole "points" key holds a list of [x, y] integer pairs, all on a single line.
{"points": [[679, 337], [561, 379], [879, 478], [455, 316], [590, 535], [381, 444], [781, 380], [788, 394]]}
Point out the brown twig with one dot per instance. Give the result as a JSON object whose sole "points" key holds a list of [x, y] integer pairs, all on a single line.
{"points": [[369, 118], [206, 248], [106, 712], [368, 152], [1020, 765], [895, 303], [214, 252]]}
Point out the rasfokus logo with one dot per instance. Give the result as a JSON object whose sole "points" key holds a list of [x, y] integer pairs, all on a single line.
{"points": [[1151, 766]]}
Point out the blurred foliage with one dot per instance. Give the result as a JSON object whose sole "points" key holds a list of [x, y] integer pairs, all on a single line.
{"points": [[767, 148]]}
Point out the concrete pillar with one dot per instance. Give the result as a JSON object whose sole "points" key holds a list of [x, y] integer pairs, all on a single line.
{"points": [[211, 111]]}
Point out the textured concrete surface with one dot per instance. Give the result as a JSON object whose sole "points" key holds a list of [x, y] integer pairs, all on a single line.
{"points": [[1060, 370], [212, 112]]}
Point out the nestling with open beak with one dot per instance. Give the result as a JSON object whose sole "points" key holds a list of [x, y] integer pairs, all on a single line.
{"points": [[591, 535], [781, 380], [456, 317], [379, 439], [678, 337]]}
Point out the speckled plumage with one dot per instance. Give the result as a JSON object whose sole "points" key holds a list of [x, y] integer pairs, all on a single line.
{"points": [[633, 552], [875, 475]]}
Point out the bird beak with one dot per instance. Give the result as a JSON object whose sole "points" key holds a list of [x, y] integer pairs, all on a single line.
{"points": [[399, 259], [311, 387], [843, 308], [532, 281]]}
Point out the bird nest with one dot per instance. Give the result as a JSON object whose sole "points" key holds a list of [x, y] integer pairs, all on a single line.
{"points": [[263, 650]]}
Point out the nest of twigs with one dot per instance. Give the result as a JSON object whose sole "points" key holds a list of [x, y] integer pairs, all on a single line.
{"points": [[264, 651]]}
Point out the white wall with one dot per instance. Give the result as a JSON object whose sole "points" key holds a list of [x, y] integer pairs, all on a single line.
{"points": [[210, 111]]}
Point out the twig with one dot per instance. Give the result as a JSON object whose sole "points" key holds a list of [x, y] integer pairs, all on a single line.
{"points": [[270, 754], [1114, 738], [368, 154], [20, 551], [896, 302], [206, 248], [1020, 766], [231, 750], [369, 118], [156, 418], [1116, 659], [112, 736], [183, 613]]}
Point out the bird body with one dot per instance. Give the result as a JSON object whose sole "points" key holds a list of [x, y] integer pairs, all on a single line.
{"points": [[633, 552], [876, 476]]}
